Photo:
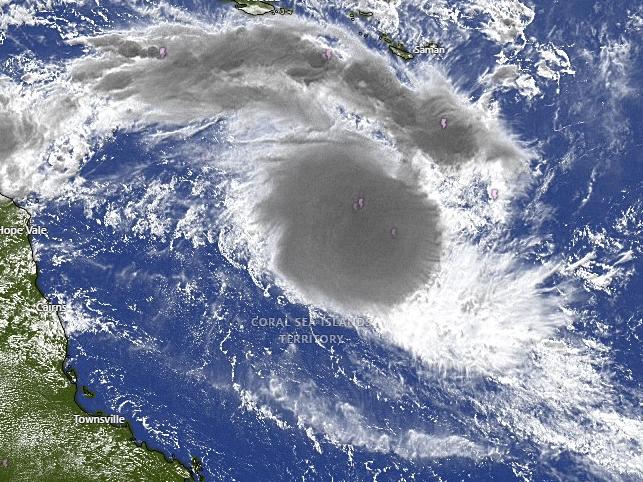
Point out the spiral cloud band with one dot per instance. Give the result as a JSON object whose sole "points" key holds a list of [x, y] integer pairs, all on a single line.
{"points": [[335, 140]]}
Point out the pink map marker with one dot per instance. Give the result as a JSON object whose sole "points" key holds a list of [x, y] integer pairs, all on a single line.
{"points": [[494, 193], [444, 122], [359, 203], [162, 52]]}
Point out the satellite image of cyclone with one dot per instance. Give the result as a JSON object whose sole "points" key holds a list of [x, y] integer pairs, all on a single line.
{"points": [[299, 240]]}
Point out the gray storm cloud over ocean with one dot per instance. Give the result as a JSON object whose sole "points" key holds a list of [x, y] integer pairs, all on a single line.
{"points": [[347, 220], [335, 180]]}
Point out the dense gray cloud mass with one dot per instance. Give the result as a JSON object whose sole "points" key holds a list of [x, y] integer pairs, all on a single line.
{"points": [[288, 89], [282, 70], [15, 131], [24, 134], [347, 232]]}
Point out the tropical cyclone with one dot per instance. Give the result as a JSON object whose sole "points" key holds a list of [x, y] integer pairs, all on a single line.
{"points": [[346, 224], [348, 234]]}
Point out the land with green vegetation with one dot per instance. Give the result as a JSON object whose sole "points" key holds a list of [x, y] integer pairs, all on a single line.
{"points": [[397, 48], [257, 7], [359, 13], [39, 438]]}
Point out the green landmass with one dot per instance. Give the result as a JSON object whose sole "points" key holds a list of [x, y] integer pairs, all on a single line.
{"points": [[254, 7], [359, 13], [39, 438], [87, 392], [397, 48], [257, 7], [197, 468], [401, 51]]}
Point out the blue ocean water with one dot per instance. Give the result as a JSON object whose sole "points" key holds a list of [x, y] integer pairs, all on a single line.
{"points": [[168, 332]]}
